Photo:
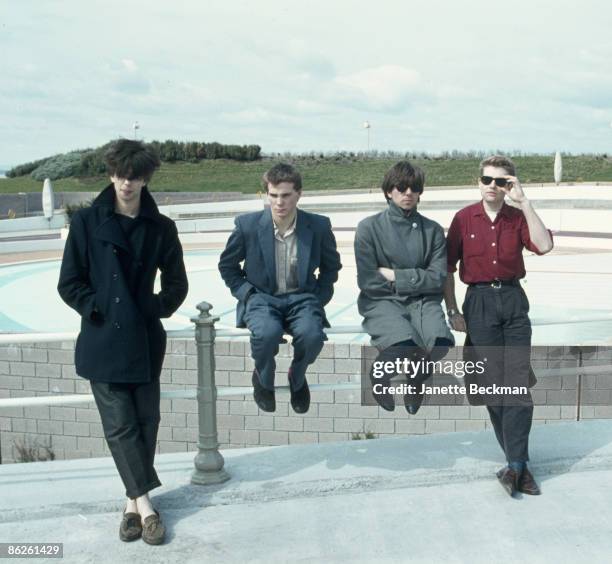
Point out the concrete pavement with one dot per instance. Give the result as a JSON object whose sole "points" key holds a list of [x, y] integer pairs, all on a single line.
{"points": [[430, 498]]}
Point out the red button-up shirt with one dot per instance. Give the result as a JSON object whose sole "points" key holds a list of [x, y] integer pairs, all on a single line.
{"points": [[488, 250]]}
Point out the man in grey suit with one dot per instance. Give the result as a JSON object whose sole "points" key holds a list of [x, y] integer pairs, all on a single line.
{"points": [[400, 257], [276, 286]]}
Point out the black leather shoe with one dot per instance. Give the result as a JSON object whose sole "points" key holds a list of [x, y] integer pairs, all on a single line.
{"points": [[508, 478], [385, 399], [413, 403], [300, 400], [527, 483], [264, 399]]}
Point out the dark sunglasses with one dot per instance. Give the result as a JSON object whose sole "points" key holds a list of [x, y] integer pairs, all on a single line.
{"points": [[501, 182], [406, 188]]}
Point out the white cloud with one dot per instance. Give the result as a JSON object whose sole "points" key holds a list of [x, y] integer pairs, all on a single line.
{"points": [[297, 76], [385, 88], [129, 64]]}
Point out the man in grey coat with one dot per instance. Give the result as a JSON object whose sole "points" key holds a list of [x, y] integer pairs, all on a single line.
{"points": [[401, 270]]}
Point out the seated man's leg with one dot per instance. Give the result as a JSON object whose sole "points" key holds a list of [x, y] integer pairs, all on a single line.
{"points": [[418, 356], [265, 322], [389, 326], [304, 320]]}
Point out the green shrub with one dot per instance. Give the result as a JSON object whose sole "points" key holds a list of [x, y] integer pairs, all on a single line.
{"points": [[69, 209], [27, 168], [59, 166], [92, 161]]}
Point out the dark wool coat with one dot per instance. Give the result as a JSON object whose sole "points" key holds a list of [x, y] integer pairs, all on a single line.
{"points": [[122, 339]]}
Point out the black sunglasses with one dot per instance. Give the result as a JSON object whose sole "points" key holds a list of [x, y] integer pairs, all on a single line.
{"points": [[406, 188], [501, 182]]}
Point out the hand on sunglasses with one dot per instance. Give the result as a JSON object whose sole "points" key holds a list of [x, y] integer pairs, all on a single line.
{"points": [[509, 184]]}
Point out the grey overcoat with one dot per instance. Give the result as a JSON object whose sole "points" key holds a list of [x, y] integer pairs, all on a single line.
{"points": [[409, 308]]}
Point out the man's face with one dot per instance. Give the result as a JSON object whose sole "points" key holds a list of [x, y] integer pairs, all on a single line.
{"points": [[405, 200], [283, 200], [492, 193], [127, 190]]}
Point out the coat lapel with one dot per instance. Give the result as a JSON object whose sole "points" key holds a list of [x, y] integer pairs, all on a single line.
{"points": [[110, 231], [304, 237], [406, 238], [266, 242]]}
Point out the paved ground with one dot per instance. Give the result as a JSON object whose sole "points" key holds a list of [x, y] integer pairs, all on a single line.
{"points": [[427, 498]]}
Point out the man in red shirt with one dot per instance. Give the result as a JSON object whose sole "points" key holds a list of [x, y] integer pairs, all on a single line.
{"points": [[488, 238]]}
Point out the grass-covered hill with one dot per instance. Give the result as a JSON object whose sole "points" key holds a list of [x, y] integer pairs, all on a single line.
{"points": [[328, 172]]}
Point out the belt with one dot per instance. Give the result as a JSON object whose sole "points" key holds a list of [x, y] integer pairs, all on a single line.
{"points": [[496, 283]]}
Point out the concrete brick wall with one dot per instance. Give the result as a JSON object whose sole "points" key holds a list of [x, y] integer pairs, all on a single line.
{"points": [[75, 431]]}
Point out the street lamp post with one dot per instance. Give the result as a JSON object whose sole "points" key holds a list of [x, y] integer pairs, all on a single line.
{"points": [[136, 127], [366, 126]]}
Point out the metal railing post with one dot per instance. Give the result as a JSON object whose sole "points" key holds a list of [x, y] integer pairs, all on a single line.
{"points": [[209, 461]]}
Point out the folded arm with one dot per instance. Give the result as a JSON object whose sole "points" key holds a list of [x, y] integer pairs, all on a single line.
{"points": [[369, 278], [429, 280]]}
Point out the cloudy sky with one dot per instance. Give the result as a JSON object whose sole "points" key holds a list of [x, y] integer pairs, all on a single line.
{"points": [[528, 75]]}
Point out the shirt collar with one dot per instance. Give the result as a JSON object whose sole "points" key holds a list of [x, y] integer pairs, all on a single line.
{"points": [[479, 210], [289, 229]]}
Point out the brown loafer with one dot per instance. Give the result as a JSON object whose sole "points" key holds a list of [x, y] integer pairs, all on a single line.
{"points": [[508, 478], [527, 484], [131, 527], [153, 530]]}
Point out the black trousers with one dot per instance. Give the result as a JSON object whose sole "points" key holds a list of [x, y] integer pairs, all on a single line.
{"points": [[498, 323], [130, 419]]}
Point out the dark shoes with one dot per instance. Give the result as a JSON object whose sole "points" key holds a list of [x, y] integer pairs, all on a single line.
{"points": [[300, 400], [508, 478], [384, 399], [412, 402], [264, 398], [513, 483], [153, 530], [527, 484], [130, 528]]}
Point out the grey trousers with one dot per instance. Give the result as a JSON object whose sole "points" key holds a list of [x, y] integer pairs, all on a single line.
{"points": [[268, 317], [497, 321], [130, 419]]}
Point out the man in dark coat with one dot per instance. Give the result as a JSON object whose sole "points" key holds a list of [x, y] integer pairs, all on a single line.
{"points": [[111, 258], [276, 287], [487, 239], [401, 268]]}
